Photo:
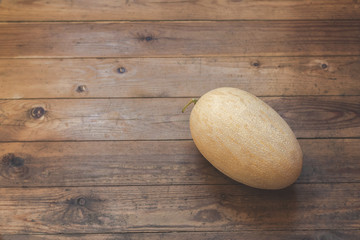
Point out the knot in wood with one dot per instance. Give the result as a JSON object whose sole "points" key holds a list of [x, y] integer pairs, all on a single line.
{"points": [[17, 162], [81, 88], [121, 70], [81, 201], [37, 112], [256, 64], [82, 210], [149, 38], [13, 167]]}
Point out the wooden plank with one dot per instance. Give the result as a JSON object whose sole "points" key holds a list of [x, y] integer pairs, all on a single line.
{"points": [[338, 160], [41, 10], [156, 39], [178, 208], [177, 77], [39, 164], [159, 118], [242, 235]]}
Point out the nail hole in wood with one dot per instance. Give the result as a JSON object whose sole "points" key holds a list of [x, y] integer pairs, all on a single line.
{"points": [[256, 64], [324, 66], [81, 88], [81, 201], [146, 38], [121, 70], [37, 112]]}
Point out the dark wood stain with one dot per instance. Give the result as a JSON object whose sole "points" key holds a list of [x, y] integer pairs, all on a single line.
{"points": [[209, 215]]}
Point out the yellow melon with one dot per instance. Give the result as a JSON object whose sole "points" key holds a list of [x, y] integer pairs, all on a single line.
{"points": [[245, 139]]}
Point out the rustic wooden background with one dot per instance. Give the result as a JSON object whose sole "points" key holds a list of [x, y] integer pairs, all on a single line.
{"points": [[93, 144]]}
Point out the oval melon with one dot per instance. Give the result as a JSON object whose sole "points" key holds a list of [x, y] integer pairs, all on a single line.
{"points": [[245, 139]]}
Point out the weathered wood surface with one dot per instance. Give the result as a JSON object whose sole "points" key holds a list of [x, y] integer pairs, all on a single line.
{"points": [[80, 10], [241, 235], [170, 39], [178, 208], [159, 118], [39, 164], [178, 77], [84, 72]]}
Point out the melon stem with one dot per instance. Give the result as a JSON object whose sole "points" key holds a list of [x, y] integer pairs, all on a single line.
{"points": [[193, 100]]}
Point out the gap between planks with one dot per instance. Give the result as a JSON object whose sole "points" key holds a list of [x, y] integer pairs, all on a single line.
{"points": [[184, 57], [169, 185], [180, 97], [200, 235], [183, 20]]}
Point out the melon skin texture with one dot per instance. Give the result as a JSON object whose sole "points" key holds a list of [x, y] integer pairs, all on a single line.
{"points": [[245, 139]]}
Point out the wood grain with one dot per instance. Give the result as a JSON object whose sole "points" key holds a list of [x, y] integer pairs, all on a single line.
{"points": [[83, 83], [242, 235], [178, 208], [39, 164], [41, 10], [159, 118], [156, 39], [177, 77]]}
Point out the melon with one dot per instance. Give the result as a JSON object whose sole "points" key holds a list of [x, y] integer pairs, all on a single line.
{"points": [[244, 138]]}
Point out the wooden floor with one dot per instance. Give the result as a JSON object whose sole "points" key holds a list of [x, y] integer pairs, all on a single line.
{"points": [[93, 144]]}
